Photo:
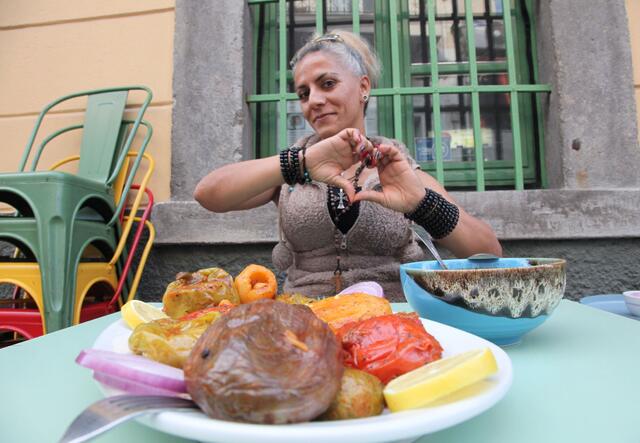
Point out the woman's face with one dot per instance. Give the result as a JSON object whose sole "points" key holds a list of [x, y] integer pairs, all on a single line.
{"points": [[331, 96]]}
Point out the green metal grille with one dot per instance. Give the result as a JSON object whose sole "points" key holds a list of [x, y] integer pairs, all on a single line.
{"points": [[392, 23]]}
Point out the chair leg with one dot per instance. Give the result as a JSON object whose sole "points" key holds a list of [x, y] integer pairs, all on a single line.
{"points": [[57, 267]]}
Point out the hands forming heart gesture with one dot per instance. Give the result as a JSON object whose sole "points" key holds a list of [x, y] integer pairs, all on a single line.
{"points": [[327, 161]]}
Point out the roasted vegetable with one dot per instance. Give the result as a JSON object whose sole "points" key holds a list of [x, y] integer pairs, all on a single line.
{"points": [[340, 310], [296, 299], [265, 362], [360, 395], [256, 282], [170, 341], [198, 290], [388, 346], [224, 307]]}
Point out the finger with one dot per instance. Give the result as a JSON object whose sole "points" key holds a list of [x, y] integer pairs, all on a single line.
{"points": [[370, 195], [377, 157], [367, 157], [382, 165], [357, 142], [351, 135], [346, 185], [387, 154], [389, 151]]}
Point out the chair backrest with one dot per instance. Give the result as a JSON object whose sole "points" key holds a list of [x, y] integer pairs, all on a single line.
{"points": [[107, 136], [102, 134]]}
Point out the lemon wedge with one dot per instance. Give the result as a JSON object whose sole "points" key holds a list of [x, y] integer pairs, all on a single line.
{"points": [[434, 380], [135, 312]]}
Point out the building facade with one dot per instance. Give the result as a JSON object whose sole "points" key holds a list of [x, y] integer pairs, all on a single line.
{"points": [[581, 203]]}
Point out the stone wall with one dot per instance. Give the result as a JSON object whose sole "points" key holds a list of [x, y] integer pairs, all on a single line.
{"points": [[593, 266]]}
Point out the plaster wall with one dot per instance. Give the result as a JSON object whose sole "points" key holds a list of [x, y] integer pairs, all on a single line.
{"points": [[50, 49]]}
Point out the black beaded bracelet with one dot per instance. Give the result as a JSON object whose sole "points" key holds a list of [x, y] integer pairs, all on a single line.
{"points": [[285, 167], [295, 163], [306, 178], [437, 215], [290, 166]]}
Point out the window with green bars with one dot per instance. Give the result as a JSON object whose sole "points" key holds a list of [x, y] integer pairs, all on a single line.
{"points": [[472, 119]]}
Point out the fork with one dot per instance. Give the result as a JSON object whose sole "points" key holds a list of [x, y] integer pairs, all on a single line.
{"points": [[111, 411]]}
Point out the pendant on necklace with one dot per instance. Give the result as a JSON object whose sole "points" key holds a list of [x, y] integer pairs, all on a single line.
{"points": [[337, 280], [341, 196]]}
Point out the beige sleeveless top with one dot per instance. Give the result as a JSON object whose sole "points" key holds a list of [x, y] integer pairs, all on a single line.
{"points": [[372, 249]]}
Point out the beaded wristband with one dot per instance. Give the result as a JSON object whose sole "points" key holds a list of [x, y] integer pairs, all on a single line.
{"points": [[306, 178], [437, 215], [294, 159], [290, 166], [286, 168]]}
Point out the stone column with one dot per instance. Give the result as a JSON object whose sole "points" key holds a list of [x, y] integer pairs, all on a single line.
{"points": [[591, 134], [211, 122]]}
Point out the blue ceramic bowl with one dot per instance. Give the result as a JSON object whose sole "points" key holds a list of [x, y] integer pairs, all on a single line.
{"points": [[499, 300]]}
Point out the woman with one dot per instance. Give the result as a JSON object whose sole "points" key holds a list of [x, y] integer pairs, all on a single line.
{"points": [[345, 202]]}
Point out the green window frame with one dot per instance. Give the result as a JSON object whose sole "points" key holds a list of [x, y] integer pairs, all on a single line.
{"points": [[511, 80]]}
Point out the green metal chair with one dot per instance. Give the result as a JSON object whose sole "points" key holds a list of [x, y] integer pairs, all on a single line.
{"points": [[59, 213]]}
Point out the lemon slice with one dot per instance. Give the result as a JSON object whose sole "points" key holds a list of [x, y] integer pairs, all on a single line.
{"points": [[434, 380], [135, 312]]}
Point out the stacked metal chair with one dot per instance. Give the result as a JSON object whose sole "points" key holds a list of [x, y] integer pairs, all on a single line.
{"points": [[59, 214]]}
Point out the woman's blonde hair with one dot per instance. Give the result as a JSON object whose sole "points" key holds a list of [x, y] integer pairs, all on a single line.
{"points": [[351, 49]]}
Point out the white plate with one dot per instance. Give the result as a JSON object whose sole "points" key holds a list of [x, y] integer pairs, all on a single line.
{"points": [[383, 428]]}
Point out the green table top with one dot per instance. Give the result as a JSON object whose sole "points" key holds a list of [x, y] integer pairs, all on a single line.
{"points": [[576, 379]]}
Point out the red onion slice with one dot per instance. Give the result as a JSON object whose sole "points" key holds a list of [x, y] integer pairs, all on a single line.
{"points": [[132, 386], [135, 368], [368, 287]]}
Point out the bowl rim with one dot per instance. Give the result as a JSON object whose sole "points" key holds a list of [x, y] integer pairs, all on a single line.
{"points": [[552, 262], [632, 295]]}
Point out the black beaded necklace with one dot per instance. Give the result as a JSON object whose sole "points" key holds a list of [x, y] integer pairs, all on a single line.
{"points": [[344, 215]]}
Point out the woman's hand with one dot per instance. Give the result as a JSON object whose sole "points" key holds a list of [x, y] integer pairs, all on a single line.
{"points": [[329, 158], [402, 189]]}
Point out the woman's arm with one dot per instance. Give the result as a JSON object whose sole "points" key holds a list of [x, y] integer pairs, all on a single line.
{"points": [[471, 235], [403, 188], [242, 185], [253, 183]]}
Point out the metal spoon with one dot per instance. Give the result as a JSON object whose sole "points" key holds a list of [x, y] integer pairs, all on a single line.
{"points": [[424, 236]]}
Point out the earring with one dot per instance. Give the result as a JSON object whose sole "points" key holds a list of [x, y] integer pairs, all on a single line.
{"points": [[365, 98]]}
